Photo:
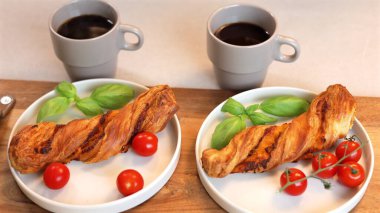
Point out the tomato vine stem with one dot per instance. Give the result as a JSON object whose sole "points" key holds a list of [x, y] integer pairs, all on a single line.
{"points": [[326, 183]]}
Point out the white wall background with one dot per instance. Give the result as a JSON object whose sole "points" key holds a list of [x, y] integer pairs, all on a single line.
{"points": [[340, 43]]}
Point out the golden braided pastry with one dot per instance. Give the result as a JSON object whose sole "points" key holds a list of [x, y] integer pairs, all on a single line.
{"points": [[95, 139], [261, 148]]}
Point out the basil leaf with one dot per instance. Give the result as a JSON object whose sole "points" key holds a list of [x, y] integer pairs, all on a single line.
{"points": [[284, 106], [54, 106], [258, 118], [232, 106], [252, 108], [89, 107], [67, 90], [225, 130], [112, 96]]}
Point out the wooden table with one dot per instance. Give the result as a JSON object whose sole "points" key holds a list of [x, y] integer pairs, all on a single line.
{"points": [[184, 191]]}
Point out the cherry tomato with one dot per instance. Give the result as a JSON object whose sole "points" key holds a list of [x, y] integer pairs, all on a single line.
{"points": [[351, 174], [350, 146], [56, 175], [145, 143], [294, 174], [129, 181], [325, 159]]}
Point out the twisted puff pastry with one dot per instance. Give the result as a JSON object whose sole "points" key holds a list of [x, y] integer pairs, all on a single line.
{"points": [[91, 140], [261, 148]]}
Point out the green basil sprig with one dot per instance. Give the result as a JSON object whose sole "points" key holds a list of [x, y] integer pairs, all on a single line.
{"points": [[282, 106], [112, 96], [252, 108], [233, 107], [55, 106], [108, 96], [258, 118], [66, 89], [89, 106], [225, 130]]}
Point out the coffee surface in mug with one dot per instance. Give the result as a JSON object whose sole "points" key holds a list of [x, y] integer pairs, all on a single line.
{"points": [[85, 27], [242, 34]]}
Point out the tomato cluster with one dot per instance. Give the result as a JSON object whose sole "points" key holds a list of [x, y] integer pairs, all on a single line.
{"points": [[57, 175], [327, 165]]}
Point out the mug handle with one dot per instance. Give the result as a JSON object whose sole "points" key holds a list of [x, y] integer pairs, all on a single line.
{"points": [[283, 40], [123, 29]]}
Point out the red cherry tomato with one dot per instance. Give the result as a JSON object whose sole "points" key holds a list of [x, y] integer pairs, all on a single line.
{"points": [[350, 146], [294, 174], [56, 175], [145, 143], [129, 182], [325, 159], [351, 174]]}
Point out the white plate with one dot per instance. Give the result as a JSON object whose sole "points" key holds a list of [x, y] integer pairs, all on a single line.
{"points": [[92, 187], [259, 192]]}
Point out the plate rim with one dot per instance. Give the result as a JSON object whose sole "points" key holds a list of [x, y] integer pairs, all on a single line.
{"points": [[227, 204], [47, 203]]}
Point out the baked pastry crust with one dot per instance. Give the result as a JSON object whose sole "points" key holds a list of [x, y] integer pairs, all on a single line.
{"points": [[94, 139], [261, 148]]}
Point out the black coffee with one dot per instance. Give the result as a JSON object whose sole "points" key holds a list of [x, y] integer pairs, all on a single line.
{"points": [[242, 34], [85, 27]]}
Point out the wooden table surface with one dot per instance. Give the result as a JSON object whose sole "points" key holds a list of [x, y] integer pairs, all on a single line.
{"points": [[184, 191]]}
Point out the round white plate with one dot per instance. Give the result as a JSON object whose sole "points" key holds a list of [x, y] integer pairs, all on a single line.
{"points": [[92, 187], [259, 192]]}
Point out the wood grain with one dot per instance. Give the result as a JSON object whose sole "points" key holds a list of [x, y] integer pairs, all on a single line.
{"points": [[184, 191]]}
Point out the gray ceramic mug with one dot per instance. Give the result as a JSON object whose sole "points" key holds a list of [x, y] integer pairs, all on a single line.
{"points": [[95, 57], [245, 67]]}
